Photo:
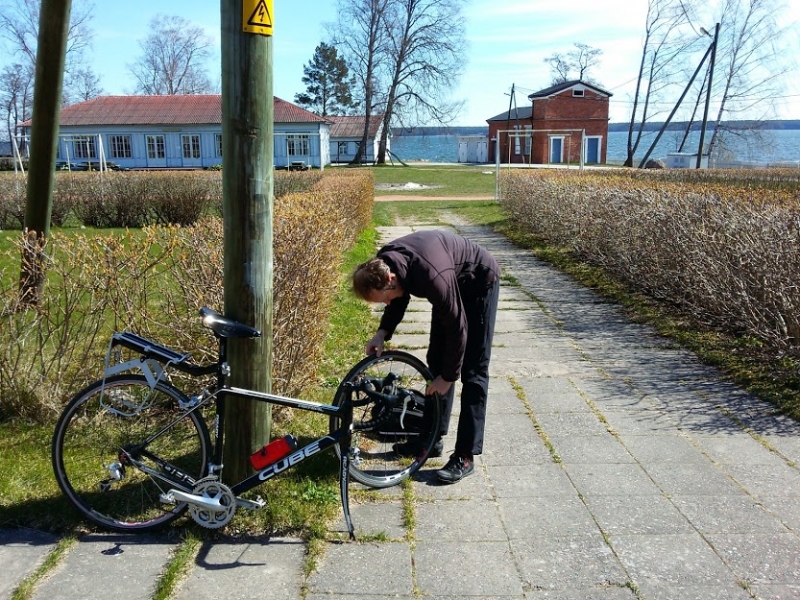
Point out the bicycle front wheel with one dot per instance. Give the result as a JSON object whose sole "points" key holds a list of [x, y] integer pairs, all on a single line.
{"points": [[107, 431], [374, 461]]}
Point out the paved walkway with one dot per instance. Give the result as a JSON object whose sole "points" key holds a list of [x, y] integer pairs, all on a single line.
{"points": [[617, 467]]}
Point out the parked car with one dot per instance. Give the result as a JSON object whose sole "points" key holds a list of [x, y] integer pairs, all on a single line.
{"points": [[90, 165]]}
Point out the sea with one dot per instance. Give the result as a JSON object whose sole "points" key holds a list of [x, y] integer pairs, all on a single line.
{"points": [[768, 147]]}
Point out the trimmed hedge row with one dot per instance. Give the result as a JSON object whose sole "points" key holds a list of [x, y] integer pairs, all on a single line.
{"points": [[154, 280], [727, 254], [133, 199]]}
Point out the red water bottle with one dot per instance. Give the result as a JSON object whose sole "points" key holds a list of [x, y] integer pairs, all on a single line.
{"points": [[273, 452]]}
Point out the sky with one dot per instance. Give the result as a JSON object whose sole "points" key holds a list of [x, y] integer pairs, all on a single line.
{"points": [[508, 43]]}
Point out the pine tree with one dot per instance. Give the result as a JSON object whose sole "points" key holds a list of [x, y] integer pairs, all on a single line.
{"points": [[327, 83]]}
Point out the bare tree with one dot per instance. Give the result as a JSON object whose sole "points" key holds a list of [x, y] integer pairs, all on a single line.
{"points": [[361, 36], [575, 64], [16, 95], [173, 59], [750, 67], [19, 29], [425, 57], [83, 84], [663, 48]]}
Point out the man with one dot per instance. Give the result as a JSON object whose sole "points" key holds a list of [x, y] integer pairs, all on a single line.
{"points": [[461, 280]]}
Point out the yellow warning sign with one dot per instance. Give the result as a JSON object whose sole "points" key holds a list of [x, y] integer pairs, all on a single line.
{"points": [[257, 16]]}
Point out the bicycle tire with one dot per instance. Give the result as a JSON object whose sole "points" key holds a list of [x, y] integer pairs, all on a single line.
{"points": [[374, 463], [89, 438]]}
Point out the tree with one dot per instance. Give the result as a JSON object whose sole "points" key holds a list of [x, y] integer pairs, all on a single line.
{"points": [[424, 58], [172, 60], [361, 35], [664, 45], [575, 64], [82, 85], [19, 28], [328, 83], [750, 66]]}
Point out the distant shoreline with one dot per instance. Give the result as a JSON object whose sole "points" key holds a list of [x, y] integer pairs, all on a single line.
{"points": [[777, 124]]}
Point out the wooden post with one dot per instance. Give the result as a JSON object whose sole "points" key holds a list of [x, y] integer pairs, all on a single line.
{"points": [[247, 188], [50, 56]]}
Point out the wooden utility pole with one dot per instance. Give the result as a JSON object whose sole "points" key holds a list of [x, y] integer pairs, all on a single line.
{"points": [[50, 57], [247, 189]]}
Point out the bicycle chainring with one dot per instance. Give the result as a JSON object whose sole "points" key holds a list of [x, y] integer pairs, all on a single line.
{"points": [[211, 488]]}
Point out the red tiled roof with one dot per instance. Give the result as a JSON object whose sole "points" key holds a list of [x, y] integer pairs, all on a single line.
{"points": [[353, 126], [188, 109]]}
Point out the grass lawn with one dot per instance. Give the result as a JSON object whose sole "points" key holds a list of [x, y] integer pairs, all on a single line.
{"points": [[449, 180]]}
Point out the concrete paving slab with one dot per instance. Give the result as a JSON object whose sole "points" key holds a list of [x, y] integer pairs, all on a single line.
{"points": [[785, 508], [538, 516], [465, 521], [645, 422], [475, 487], [776, 592], [729, 514], [590, 449], [668, 560], [693, 479], [634, 514], [521, 481], [379, 569], [375, 519], [455, 569], [102, 566], [767, 480], [553, 394], [738, 449], [596, 593], [730, 591], [611, 480], [760, 558], [503, 399], [245, 569], [578, 561], [564, 424], [674, 449], [22, 551]]}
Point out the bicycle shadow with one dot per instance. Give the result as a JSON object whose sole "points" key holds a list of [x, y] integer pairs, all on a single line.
{"points": [[224, 554]]}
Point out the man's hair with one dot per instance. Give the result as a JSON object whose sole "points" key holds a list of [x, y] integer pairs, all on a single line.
{"points": [[370, 276]]}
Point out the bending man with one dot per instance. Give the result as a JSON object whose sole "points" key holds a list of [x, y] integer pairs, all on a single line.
{"points": [[461, 281]]}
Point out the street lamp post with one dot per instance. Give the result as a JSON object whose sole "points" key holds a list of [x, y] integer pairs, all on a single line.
{"points": [[708, 91]]}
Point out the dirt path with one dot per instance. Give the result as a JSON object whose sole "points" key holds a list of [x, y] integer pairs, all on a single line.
{"points": [[406, 197]]}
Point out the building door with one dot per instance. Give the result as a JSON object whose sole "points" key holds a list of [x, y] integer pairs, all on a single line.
{"points": [[592, 150], [556, 150], [190, 150], [156, 151], [462, 152]]}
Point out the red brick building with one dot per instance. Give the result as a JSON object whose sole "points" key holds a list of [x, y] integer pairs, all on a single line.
{"points": [[551, 129]]}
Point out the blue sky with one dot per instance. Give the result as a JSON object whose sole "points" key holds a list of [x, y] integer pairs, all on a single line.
{"points": [[508, 42]]}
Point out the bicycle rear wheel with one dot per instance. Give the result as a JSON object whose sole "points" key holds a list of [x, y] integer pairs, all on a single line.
{"points": [[105, 429], [374, 463]]}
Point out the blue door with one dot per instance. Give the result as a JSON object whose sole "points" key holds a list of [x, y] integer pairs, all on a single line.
{"points": [[592, 150], [556, 150]]}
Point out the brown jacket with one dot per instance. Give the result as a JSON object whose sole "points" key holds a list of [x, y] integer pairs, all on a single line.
{"points": [[447, 270]]}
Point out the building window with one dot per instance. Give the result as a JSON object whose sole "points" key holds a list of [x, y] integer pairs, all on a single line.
{"points": [[155, 146], [83, 147], [516, 140], [342, 148], [218, 143], [297, 145], [577, 93], [120, 146], [528, 140], [191, 146]]}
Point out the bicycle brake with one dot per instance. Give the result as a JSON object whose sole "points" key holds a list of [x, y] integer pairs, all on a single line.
{"points": [[406, 400]]}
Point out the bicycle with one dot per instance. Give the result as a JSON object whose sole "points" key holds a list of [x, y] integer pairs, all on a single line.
{"points": [[132, 452]]}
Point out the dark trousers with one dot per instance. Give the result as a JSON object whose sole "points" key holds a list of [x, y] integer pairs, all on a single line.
{"points": [[481, 313]]}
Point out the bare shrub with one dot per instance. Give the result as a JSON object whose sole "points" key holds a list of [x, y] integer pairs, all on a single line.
{"points": [[726, 254], [154, 281]]}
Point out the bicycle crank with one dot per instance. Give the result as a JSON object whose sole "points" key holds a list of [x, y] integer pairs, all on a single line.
{"points": [[211, 503]]}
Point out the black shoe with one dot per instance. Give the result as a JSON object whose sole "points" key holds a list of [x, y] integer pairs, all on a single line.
{"points": [[456, 469], [413, 449]]}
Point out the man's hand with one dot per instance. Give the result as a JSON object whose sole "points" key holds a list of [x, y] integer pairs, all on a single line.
{"points": [[375, 345], [438, 386]]}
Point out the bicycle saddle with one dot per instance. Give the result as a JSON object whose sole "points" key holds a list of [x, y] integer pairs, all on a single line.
{"points": [[226, 328]]}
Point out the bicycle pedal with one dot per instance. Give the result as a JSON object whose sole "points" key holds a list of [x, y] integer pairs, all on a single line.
{"points": [[256, 504]]}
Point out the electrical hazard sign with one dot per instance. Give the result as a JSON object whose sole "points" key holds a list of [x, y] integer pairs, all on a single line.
{"points": [[257, 16]]}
